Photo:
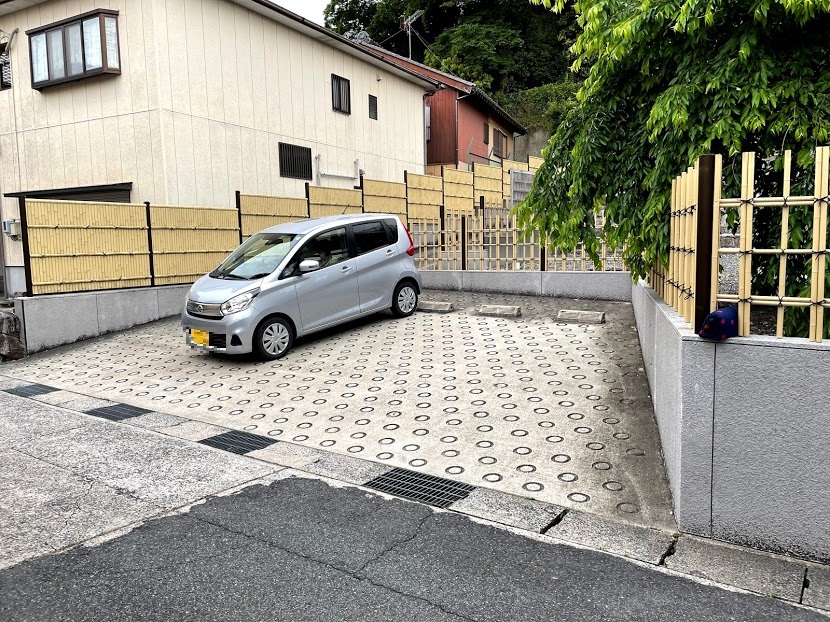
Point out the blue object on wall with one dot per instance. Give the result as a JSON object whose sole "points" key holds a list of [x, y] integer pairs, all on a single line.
{"points": [[721, 324]]}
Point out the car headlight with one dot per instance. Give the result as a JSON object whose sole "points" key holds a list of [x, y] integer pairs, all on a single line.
{"points": [[238, 303]]}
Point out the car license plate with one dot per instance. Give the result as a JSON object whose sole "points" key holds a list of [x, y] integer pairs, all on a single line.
{"points": [[200, 337]]}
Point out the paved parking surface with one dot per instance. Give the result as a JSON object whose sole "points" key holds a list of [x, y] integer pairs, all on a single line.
{"points": [[533, 407]]}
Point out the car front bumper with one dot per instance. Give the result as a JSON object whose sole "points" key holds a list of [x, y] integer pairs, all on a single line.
{"points": [[231, 334]]}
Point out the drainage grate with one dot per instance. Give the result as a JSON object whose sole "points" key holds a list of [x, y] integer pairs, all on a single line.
{"points": [[118, 412], [30, 390], [238, 442], [414, 486]]}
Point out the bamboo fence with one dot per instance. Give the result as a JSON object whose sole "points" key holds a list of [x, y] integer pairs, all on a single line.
{"points": [[458, 220], [747, 204], [678, 282]]}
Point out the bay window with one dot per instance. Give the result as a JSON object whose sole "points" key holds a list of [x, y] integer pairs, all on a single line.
{"points": [[75, 48]]}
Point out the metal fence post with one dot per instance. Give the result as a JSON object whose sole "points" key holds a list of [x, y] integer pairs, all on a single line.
{"points": [[442, 215], [239, 213], [150, 243], [24, 234], [308, 199], [703, 247], [463, 242]]}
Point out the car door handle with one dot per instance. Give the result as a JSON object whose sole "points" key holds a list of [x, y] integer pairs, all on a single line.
{"points": [[390, 251], [346, 269]]}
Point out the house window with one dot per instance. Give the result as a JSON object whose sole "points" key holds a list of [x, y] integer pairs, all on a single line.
{"points": [[486, 133], [373, 107], [5, 68], [341, 97], [499, 143], [75, 48], [295, 161]]}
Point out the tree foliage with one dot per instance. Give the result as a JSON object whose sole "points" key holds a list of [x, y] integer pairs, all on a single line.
{"points": [[670, 80], [543, 107], [501, 45]]}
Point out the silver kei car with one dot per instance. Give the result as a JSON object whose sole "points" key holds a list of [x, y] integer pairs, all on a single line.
{"points": [[301, 277]]}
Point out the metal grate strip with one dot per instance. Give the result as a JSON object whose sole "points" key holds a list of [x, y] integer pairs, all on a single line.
{"points": [[118, 412], [238, 442], [414, 486], [30, 390]]}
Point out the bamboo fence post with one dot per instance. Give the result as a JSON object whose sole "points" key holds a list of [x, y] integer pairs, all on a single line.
{"points": [[691, 242], [716, 216], [745, 261], [785, 239], [819, 245], [669, 298]]}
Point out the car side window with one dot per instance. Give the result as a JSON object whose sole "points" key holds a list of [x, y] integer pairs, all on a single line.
{"points": [[392, 230], [329, 248], [370, 236]]}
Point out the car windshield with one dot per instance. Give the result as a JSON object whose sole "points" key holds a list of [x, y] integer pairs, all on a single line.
{"points": [[259, 256]]}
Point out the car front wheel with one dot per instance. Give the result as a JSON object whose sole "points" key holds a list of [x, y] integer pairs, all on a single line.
{"points": [[273, 338], [405, 299]]}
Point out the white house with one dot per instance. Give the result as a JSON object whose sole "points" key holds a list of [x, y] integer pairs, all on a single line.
{"points": [[184, 102]]}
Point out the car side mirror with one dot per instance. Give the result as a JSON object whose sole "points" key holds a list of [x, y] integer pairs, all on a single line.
{"points": [[309, 265]]}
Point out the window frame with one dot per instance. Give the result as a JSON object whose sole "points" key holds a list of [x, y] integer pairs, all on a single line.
{"points": [[4, 52], [375, 98], [290, 174], [499, 143], [62, 26], [336, 92], [486, 133]]}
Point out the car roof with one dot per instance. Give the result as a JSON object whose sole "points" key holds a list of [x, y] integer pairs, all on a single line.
{"points": [[311, 225]]}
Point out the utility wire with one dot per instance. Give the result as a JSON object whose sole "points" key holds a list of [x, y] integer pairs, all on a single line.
{"points": [[429, 49], [390, 37]]}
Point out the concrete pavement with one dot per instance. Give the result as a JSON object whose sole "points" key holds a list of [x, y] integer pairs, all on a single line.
{"points": [[531, 405], [301, 549], [112, 520]]}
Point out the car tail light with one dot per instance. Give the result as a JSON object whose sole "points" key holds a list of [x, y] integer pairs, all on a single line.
{"points": [[411, 250]]}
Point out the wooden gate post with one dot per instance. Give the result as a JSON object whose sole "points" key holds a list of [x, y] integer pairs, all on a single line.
{"points": [[703, 245]]}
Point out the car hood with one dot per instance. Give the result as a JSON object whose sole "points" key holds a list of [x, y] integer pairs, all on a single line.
{"points": [[216, 291]]}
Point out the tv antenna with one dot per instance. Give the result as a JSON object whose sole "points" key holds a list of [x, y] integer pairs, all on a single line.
{"points": [[406, 26]]}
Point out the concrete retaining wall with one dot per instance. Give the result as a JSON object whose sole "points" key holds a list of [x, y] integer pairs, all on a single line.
{"points": [[587, 285], [745, 431], [50, 321]]}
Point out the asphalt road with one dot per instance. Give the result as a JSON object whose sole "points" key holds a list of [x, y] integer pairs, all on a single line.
{"points": [[301, 550]]}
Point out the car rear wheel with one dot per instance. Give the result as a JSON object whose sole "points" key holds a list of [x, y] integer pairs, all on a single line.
{"points": [[405, 299], [273, 338]]}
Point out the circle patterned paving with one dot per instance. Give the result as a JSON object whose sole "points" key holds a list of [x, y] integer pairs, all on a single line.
{"points": [[553, 411]]}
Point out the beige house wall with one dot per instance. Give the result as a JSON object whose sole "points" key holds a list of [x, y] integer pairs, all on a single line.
{"points": [[207, 92]]}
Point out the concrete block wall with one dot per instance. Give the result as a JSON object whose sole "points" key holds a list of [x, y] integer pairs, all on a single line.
{"points": [[745, 432], [586, 285], [50, 321]]}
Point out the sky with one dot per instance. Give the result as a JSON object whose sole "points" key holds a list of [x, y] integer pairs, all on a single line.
{"points": [[310, 9]]}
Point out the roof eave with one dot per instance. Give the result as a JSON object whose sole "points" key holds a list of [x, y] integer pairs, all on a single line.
{"points": [[517, 127]]}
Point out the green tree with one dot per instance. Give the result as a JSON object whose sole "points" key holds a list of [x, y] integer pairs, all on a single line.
{"points": [[670, 80], [501, 45], [543, 107], [479, 52]]}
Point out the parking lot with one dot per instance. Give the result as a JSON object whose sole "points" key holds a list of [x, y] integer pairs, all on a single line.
{"points": [[531, 406]]}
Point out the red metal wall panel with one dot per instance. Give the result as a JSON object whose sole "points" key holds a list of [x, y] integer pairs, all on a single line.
{"points": [[441, 146], [471, 120]]}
